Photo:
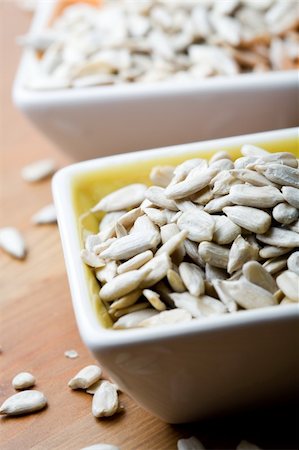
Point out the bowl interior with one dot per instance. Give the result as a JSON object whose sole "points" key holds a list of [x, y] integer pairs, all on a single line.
{"points": [[90, 186]]}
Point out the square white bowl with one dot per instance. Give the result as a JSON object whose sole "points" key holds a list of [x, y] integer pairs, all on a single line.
{"points": [[97, 121], [189, 371]]}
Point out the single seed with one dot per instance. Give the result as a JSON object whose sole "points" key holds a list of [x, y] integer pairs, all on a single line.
{"points": [[24, 402], [46, 215], [154, 299], [127, 197], [12, 242], [38, 170], [85, 377], [105, 400], [23, 380]]}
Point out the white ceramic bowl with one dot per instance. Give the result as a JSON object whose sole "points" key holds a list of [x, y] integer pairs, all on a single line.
{"points": [[97, 121], [188, 371]]}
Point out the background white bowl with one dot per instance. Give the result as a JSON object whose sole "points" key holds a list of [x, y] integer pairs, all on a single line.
{"points": [[97, 121], [189, 371]]}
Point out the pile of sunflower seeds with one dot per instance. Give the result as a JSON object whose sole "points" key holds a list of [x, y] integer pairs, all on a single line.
{"points": [[207, 238], [156, 40]]}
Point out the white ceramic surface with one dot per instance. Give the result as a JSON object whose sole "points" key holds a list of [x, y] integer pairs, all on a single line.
{"points": [[189, 371], [97, 121]]}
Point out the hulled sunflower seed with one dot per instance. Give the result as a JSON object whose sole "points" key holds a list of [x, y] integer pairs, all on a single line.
{"points": [[136, 262], [203, 197], [105, 400], [282, 158], [251, 177], [222, 164], [12, 242], [157, 216], [154, 299], [240, 252], [175, 281], [291, 195], [126, 301], [155, 270], [161, 175], [128, 246], [288, 282], [182, 170], [120, 230], [85, 377], [157, 196], [24, 402], [270, 251], [199, 225], [192, 277], [91, 241], [38, 170], [23, 380], [280, 174], [280, 237], [214, 254], [91, 259], [45, 215], [225, 230], [106, 273], [249, 295], [133, 319], [251, 219], [222, 154], [101, 447], [257, 274], [170, 317], [173, 243], [256, 196], [285, 214], [127, 197], [217, 204], [293, 262], [111, 218], [123, 284], [194, 182], [129, 217], [130, 309], [203, 306], [253, 150], [224, 295], [191, 443], [223, 182], [275, 265], [144, 225]]}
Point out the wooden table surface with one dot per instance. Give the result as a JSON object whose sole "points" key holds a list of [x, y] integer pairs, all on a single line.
{"points": [[38, 325]]}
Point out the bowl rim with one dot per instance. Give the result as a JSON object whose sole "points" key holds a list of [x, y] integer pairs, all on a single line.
{"points": [[92, 332], [123, 91]]}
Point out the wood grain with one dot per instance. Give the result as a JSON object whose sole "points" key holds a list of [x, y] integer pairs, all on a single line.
{"points": [[37, 321]]}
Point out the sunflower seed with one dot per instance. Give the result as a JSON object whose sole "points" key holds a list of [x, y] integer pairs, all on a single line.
{"points": [[175, 281], [23, 380], [291, 195], [127, 197], [284, 158], [71, 354], [217, 204], [129, 218], [24, 402], [38, 170], [275, 265], [192, 278], [173, 243], [249, 295], [111, 218], [161, 175], [225, 230], [256, 196], [126, 301], [251, 177], [222, 154], [130, 309], [182, 170], [106, 273], [285, 214], [280, 174], [133, 319], [191, 443], [222, 164], [91, 259], [143, 225], [252, 219], [120, 230], [128, 246], [12, 242], [185, 205], [157, 216], [214, 254], [293, 262], [279, 237], [105, 400], [223, 182], [270, 251], [85, 377], [253, 150], [157, 195], [294, 226], [288, 282], [155, 270], [224, 295], [91, 241], [154, 299], [170, 317], [198, 307], [240, 252], [203, 197], [136, 262], [193, 183], [256, 274], [124, 284], [101, 447], [45, 215], [199, 225]]}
